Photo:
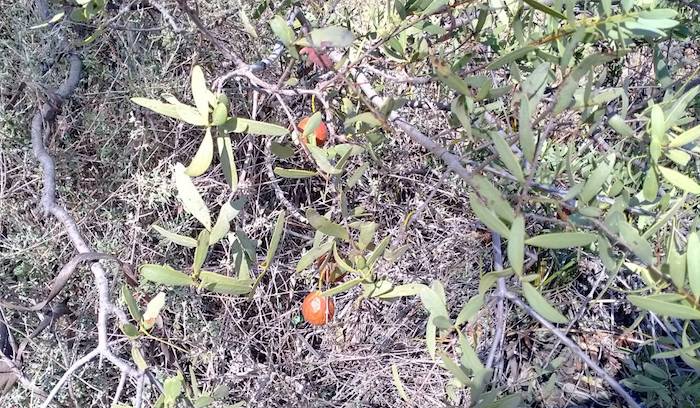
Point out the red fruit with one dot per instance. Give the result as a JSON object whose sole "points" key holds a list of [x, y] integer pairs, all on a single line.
{"points": [[316, 309], [321, 132]]}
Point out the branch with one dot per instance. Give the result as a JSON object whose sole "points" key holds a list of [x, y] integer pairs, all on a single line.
{"points": [[576, 349]]}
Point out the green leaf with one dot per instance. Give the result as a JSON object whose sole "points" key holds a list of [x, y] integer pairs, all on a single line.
{"points": [[377, 252], [343, 287], [326, 226], [510, 57], [321, 160], [541, 306], [153, 309], [312, 254], [678, 109], [218, 283], [172, 388], [545, 9], [191, 115], [313, 123], [561, 240], [332, 36], [430, 333], [228, 160], [131, 331], [281, 151], [202, 159], [693, 259], [200, 92], [487, 217], [676, 265], [490, 278], [433, 303], [408, 289], [200, 253], [342, 264], [56, 18], [227, 213], [661, 222], [165, 274], [469, 310], [620, 126], [507, 156], [516, 244], [680, 180], [658, 127], [637, 244], [138, 358], [275, 240], [165, 109], [131, 303], [660, 305], [650, 187], [364, 117], [243, 125], [190, 198], [493, 198], [686, 137], [396, 379], [247, 26], [454, 369], [282, 30], [294, 173], [220, 114], [597, 178], [357, 174], [175, 238]]}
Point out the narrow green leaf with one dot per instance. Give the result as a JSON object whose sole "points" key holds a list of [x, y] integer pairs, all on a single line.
{"points": [[175, 238], [510, 57], [676, 265], [454, 369], [312, 254], [165, 109], [686, 137], [243, 125], [131, 303], [526, 136], [661, 222], [357, 174], [218, 283], [597, 178], [408, 289], [693, 259], [650, 187], [281, 151], [470, 309], [294, 173], [247, 26], [313, 123], [545, 9], [493, 198], [321, 160], [364, 117], [377, 252], [228, 212], [430, 333], [200, 253], [220, 115], [637, 244], [469, 358], [516, 244], [540, 304], [659, 305], [658, 127], [620, 126], [228, 160], [190, 198], [396, 380], [191, 115], [561, 240], [275, 240], [433, 303], [282, 30], [165, 274], [487, 217], [136, 355], [680, 180], [326, 226], [489, 279], [202, 159], [200, 92], [507, 156], [343, 287]]}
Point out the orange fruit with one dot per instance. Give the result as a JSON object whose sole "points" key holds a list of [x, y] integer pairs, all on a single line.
{"points": [[316, 309], [321, 131]]}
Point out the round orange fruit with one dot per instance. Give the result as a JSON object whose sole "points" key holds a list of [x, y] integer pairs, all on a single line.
{"points": [[321, 132], [316, 309]]}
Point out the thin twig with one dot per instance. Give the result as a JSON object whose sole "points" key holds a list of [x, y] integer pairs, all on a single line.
{"points": [[631, 402]]}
